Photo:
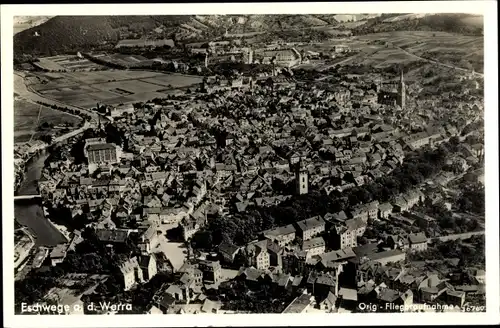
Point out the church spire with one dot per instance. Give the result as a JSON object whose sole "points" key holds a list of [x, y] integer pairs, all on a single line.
{"points": [[401, 99]]}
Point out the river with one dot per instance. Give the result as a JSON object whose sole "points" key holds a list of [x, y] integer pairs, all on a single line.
{"points": [[29, 212]]}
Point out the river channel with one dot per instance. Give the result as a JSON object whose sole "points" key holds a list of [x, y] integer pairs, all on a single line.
{"points": [[30, 212]]}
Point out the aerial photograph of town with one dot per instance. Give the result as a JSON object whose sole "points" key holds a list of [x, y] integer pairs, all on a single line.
{"points": [[238, 164]]}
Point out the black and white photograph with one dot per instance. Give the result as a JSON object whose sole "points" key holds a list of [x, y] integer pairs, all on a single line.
{"points": [[250, 163]]}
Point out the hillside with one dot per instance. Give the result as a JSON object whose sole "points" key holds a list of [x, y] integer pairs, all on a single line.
{"points": [[453, 23], [82, 33], [71, 33]]}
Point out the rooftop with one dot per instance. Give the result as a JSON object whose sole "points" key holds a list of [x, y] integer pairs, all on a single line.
{"points": [[313, 243], [102, 146], [310, 223], [299, 304]]}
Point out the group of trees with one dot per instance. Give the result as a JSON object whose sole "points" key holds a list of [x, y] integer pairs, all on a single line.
{"points": [[472, 199], [81, 114], [266, 298], [471, 252]]}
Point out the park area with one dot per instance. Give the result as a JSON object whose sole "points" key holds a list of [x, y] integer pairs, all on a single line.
{"points": [[113, 87], [27, 121]]}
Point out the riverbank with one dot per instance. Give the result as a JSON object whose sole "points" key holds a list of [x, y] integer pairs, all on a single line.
{"points": [[30, 213], [26, 164], [62, 229]]}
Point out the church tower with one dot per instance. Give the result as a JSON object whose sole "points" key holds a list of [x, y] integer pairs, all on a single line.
{"points": [[301, 179], [401, 92]]}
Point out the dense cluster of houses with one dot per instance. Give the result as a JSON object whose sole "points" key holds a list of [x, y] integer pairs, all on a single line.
{"points": [[187, 159]]}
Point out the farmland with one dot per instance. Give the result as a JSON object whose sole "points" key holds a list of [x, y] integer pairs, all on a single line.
{"points": [[113, 87], [462, 51], [389, 48], [66, 63], [120, 60], [25, 120]]}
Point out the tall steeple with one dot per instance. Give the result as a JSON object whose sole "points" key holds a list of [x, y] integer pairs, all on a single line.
{"points": [[401, 100], [301, 178]]}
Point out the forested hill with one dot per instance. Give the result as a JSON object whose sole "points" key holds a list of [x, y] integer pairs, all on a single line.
{"points": [[68, 33]]}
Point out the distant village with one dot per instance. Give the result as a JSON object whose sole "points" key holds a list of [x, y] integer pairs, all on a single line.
{"points": [[177, 167]]}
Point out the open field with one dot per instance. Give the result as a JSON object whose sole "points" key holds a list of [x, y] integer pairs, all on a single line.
{"points": [[25, 119], [66, 62], [388, 48], [123, 60], [386, 57], [462, 51], [85, 89]]}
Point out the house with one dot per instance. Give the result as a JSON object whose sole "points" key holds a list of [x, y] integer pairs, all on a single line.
{"points": [[179, 293], [479, 276], [344, 237], [348, 298], [300, 304], [391, 300], [336, 217], [413, 197], [193, 223], [385, 257], [324, 282], [148, 240], [397, 241], [384, 210], [112, 236], [58, 254], [455, 297], [191, 272], [314, 246], [148, 265], [366, 211], [228, 251], [131, 273], [264, 254], [310, 227], [163, 263], [295, 262], [417, 242], [358, 226], [432, 287], [251, 275], [284, 280], [212, 271], [210, 306], [329, 303], [281, 235], [400, 204]]}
